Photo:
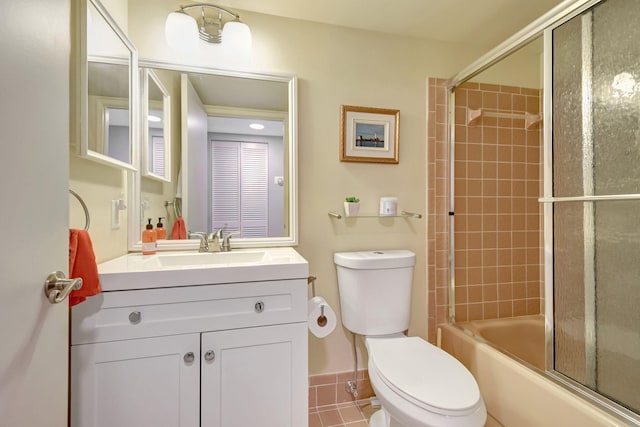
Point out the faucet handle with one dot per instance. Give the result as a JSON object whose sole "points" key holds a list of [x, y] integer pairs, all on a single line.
{"points": [[226, 242], [216, 235], [204, 244]]}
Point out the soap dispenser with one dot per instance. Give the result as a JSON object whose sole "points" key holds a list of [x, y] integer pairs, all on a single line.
{"points": [[160, 230], [149, 240]]}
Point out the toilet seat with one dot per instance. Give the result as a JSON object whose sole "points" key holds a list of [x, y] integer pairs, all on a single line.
{"points": [[424, 375]]}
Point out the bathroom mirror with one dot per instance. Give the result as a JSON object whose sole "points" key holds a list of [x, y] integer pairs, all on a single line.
{"points": [[156, 127], [229, 175], [109, 77]]}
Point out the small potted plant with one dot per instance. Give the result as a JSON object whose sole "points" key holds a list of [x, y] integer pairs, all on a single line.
{"points": [[351, 206]]}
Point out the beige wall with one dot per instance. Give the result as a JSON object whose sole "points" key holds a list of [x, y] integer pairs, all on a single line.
{"points": [[334, 66]]}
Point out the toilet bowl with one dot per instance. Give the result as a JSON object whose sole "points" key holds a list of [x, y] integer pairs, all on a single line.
{"points": [[421, 385], [418, 384]]}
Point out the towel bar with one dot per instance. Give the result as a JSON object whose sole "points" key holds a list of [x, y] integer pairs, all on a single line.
{"points": [[84, 207]]}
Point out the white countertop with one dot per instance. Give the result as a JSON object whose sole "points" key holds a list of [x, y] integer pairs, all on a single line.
{"points": [[137, 271]]}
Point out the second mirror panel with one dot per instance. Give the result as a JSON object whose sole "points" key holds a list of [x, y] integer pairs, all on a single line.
{"points": [[156, 127]]}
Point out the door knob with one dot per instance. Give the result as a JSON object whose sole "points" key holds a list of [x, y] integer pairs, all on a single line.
{"points": [[209, 356], [259, 307], [135, 317], [57, 288], [189, 357]]}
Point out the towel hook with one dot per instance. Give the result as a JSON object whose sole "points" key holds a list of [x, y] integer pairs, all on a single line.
{"points": [[84, 207]]}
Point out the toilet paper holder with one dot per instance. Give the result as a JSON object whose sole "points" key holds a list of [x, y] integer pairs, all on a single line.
{"points": [[311, 280], [322, 319]]}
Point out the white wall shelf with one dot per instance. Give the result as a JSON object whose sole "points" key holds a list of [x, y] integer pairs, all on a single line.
{"points": [[402, 214]]}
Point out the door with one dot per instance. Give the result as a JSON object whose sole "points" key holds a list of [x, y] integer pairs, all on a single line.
{"points": [[133, 383], [596, 204], [239, 187], [34, 171], [255, 377]]}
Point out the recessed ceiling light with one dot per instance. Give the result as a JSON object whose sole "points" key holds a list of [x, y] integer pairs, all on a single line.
{"points": [[256, 126], [154, 118]]}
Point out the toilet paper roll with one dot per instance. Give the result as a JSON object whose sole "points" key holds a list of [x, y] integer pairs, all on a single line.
{"points": [[321, 318]]}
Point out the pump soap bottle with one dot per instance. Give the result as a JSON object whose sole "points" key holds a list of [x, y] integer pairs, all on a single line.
{"points": [[149, 239], [160, 230]]}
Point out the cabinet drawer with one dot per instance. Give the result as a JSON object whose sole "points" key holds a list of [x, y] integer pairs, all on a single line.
{"points": [[168, 311]]}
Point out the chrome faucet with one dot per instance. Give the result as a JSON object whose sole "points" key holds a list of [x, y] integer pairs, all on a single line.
{"points": [[204, 242], [215, 241]]}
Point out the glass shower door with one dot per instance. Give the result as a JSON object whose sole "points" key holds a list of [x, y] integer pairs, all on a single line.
{"points": [[596, 200]]}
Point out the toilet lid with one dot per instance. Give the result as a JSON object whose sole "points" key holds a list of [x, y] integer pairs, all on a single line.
{"points": [[424, 374]]}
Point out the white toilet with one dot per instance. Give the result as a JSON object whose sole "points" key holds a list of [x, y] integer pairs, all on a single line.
{"points": [[417, 383]]}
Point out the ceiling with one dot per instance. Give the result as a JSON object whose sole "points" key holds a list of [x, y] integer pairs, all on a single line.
{"points": [[482, 23]]}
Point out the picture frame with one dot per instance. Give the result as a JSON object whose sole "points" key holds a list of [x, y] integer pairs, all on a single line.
{"points": [[369, 135]]}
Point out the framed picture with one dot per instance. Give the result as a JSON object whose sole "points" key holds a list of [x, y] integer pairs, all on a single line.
{"points": [[369, 134]]}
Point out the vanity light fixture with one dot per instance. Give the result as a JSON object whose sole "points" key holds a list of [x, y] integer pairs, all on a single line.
{"points": [[183, 30], [256, 126]]}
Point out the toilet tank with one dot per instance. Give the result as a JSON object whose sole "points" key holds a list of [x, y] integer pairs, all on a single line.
{"points": [[375, 290]]}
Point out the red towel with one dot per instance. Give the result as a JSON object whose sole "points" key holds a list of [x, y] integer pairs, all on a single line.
{"points": [[179, 230], [82, 263]]}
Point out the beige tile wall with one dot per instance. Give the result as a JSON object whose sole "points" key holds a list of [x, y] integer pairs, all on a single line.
{"points": [[438, 205], [330, 389], [498, 232]]}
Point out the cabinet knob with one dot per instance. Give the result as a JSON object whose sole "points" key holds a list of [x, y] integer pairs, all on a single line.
{"points": [[259, 307], [189, 357], [135, 317], [209, 356]]}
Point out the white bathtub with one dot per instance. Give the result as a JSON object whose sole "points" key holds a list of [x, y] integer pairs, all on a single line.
{"points": [[515, 395]]}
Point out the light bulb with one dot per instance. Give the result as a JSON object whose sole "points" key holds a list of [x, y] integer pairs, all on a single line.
{"points": [[236, 37], [181, 31]]}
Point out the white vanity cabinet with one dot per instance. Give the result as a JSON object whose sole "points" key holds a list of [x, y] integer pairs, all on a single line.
{"points": [[251, 381], [142, 382], [222, 355]]}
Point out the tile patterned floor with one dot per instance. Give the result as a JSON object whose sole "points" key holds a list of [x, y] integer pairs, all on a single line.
{"points": [[352, 414]]}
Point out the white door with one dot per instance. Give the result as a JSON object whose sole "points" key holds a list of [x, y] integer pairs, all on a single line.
{"points": [[133, 383], [255, 377], [239, 187], [34, 175]]}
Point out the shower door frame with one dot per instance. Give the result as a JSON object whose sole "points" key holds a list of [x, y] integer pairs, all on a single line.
{"points": [[543, 26]]}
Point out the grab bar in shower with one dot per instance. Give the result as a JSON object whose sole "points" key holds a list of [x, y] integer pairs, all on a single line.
{"points": [[600, 198], [474, 115], [87, 222]]}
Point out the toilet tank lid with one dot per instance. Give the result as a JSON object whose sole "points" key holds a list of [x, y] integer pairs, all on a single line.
{"points": [[374, 260]]}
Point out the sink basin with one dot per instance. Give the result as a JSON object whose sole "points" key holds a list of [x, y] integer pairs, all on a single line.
{"points": [[210, 258], [135, 271]]}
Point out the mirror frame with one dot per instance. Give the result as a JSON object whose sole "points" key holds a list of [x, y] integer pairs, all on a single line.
{"points": [[291, 163], [148, 75], [102, 105], [131, 60]]}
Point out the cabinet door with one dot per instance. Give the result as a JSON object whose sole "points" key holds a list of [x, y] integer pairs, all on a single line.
{"points": [[133, 383], [258, 377]]}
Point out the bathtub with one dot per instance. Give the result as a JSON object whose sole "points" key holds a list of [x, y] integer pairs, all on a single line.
{"points": [[521, 337], [516, 395]]}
